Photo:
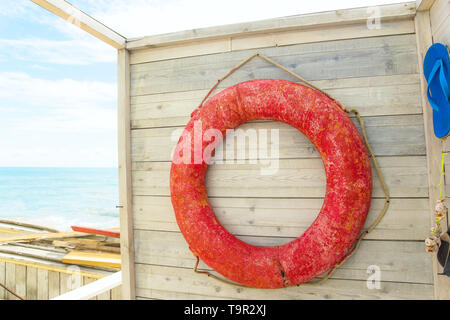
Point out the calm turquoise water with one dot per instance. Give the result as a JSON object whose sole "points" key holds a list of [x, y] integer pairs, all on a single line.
{"points": [[60, 197]]}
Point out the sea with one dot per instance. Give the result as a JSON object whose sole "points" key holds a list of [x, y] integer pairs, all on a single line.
{"points": [[60, 197]]}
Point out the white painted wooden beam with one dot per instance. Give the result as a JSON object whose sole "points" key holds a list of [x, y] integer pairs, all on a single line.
{"points": [[71, 14], [93, 289]]}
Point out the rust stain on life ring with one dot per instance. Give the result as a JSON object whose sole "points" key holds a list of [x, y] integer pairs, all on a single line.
{"points": [[348, 187]]}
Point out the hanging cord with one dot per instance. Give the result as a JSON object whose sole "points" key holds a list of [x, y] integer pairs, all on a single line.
{"points": [[270, 61], [10, 291], [369, 149]]}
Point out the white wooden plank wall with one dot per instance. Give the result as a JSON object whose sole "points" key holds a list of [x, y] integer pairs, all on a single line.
{"points": [[374, 71]]}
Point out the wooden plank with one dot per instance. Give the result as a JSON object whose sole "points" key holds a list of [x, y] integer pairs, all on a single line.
{"points": [[32, 253], [186, 281], [189, 50], [305, 178], [388, 136], [73, 15], [372, 96], [163, 67], [106, 232], [151, 294], [65, 283], [116, 293], [2, 279], [42, 236], [21, 281], [331, 19], [42, 284], [318, 61], [97, 259], [32, 283], [433, 145], [54, 289], [52, 266], [10, 281], [403, 261], [26, 226], [318, 34], [278, 39], [9, 231], [406, 219], [125, 182]]}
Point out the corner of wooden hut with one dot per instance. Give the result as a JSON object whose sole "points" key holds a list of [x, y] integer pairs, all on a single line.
{"points": [[375, 68]]}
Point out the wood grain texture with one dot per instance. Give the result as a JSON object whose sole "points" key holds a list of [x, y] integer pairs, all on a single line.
{"points": [[125, 190], [2, 279], [53, 284], [186, 281], [42, 284], [379, 56], [32, 283], [389, 136], [405, 261], [278, 39], [21, 281], [305, 178], [10, 281], [284, 218], [372, 96]]}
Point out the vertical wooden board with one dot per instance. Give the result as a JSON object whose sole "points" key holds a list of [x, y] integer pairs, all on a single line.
{"points": [[42, 284], [125, 190], [32, 283], [76, 281], [104, 296], [21, 280], [2, 279], [65, 283], [87, 280], [10, 275], [53, 284], [116, 293]]}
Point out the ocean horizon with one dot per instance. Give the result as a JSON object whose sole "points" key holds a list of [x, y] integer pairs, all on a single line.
{"points": [[60, 197]]}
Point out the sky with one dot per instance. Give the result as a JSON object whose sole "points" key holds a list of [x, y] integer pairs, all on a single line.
{"points": [[58, 84]]}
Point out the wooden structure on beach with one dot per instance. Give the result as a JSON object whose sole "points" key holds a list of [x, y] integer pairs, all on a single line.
{"points": [[370, 66], [40, 264]]}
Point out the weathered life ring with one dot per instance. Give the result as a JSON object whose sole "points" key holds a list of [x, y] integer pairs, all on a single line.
{"points": [[348, 185]]}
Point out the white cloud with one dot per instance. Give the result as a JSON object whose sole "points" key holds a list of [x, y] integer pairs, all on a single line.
{"points": [[57, 122], [21, 87], [67, 52]]}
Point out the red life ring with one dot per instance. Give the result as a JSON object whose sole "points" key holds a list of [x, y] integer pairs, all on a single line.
{"points": [[348, 185]]}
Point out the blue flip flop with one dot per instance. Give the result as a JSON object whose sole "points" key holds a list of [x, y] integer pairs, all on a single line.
{"points": [[436, 68]]}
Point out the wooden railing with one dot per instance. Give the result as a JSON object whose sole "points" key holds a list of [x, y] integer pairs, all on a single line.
{"points": [[93, 289]]}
